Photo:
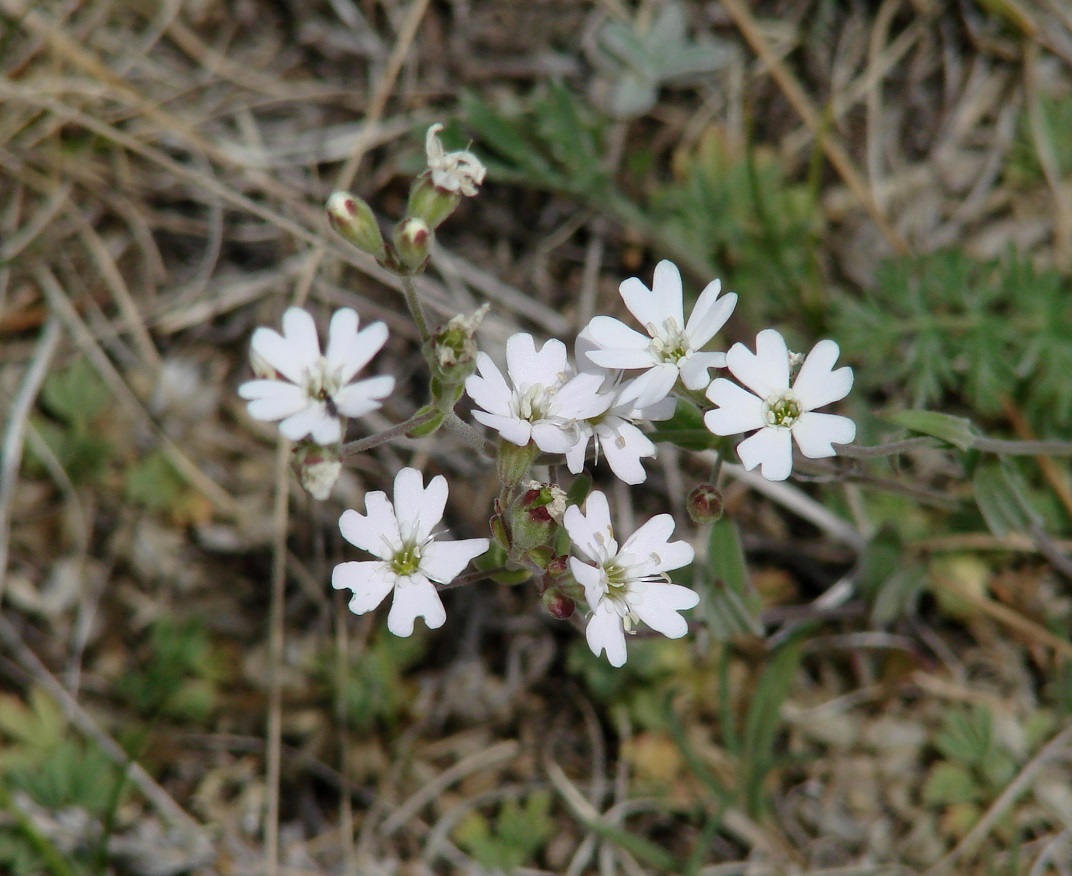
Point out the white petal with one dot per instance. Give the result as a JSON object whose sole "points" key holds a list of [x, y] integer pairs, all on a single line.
{"points": [[360, 398], [709, 315], [613, 336], [326, 430], [299, 329], [652, 386], [488, 388], [576, 454], [651, 544], [590, 578], [313, 419], [624, 447], [353, 354], [815, 433], [528, 366], [694, 368], [292, 352], [652, 307], [370, 581], [772, 449], [443, 561], [341, 332], [415, 597], [419, 510], [580, 397], [588, 531], [817, 384], [659, 607], [766, 372], [377, 532], [738, 410], [552, 437], [273, 399], [512, 429], [604, 633]]}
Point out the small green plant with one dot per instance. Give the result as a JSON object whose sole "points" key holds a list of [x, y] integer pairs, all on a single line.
{"points": [[520, 830], [153, 483], [74, 399], [375, 691], [178, 675], [952, 331], [54, 771]]}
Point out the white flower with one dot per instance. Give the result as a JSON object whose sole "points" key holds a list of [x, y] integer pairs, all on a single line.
{"points": [[778, 411], [452, 171], [410, 561], [628, 584], [545, 401], [315, 391], [615, 431], [671, 348]]}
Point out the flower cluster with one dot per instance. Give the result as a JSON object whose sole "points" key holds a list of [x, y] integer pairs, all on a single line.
{"points": [[625, 377], [545, 409]]}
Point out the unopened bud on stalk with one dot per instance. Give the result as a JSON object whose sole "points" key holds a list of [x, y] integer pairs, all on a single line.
{"points": [[455, 347], [413, 240], [429, 202], [353, 219], [558, 603], [318, 469], [704, 504], [514, 462]]}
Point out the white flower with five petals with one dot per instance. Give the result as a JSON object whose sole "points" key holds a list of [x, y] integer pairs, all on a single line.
{"points": [[315, 391], [411, 562], [614, 432], [781, 414], [544, 401], [672, 347], [628, 584]]}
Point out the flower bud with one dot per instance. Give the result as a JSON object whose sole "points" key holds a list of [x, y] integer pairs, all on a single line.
{"points": [[353, 219], [558, 603], [500, 532], [531, 519], [318, 469], [429, 202], [514, 462], [413, 240], [704, 504], [455, 348]]}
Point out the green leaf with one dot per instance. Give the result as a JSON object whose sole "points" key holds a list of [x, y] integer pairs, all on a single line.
{"points": [[76, 394], [520, 832], [958, 431], [732, 607], [763, 721], [966, 736], [1002, 499], [888, 577], [686, 429], [949, 783], [153, 483]]}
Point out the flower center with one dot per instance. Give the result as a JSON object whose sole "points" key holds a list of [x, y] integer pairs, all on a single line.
{"points": [[323, 384], [533, 403], [670, 344], [407, 560], [783, 410]]}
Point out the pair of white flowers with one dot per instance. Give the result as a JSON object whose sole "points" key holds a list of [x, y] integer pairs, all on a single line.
{"points": [[560, 411], [623, 585]]}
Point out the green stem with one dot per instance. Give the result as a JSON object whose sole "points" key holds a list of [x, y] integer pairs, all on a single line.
{"points": [[364, 444], [416, 310]]}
